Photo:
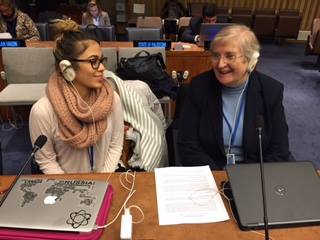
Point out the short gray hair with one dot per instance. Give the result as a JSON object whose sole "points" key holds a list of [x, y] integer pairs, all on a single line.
{"points": [[247, 40]]}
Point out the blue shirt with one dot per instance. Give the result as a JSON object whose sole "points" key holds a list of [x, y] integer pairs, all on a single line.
{"points": [[232, 121]]}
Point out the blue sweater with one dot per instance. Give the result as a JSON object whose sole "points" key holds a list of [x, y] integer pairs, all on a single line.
{"points": [[232, 121]]}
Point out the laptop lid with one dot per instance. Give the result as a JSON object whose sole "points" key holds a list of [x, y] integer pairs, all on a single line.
{"points": [[209, 30], [292, 194], [53, 204]]}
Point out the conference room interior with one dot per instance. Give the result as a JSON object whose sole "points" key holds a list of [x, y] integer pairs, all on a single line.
{"points": [[283, 57], [300, 94]]}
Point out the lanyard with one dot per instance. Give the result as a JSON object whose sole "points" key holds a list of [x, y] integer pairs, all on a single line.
{"points": [[233, 131], [90, 153]]}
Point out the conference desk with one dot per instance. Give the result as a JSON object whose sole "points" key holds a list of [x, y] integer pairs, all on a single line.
{"points": [[193, 58], [145, 197]]}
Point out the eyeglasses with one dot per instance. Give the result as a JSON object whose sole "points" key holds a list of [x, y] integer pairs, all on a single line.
{"points": [[95, 62], [227, 58]]}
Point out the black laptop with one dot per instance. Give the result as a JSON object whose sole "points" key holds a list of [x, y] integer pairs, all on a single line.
{"points": [[209, 30], [292, 194]]}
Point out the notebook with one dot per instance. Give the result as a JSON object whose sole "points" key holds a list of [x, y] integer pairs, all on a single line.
{"points": [[53, 204], [292, 194], [208, 31]]}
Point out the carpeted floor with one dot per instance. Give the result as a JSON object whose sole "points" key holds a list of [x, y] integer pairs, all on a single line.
{"points": [[301, 79], [15, 147]]}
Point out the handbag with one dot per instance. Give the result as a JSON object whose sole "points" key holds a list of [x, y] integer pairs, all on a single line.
{"points": [[149, 68]]}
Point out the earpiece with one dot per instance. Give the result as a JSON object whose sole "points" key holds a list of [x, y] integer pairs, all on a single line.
{"points": [[253, 61], [67, 70]]}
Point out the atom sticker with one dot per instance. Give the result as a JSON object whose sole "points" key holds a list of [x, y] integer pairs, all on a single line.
{"points": [[78, 219]]}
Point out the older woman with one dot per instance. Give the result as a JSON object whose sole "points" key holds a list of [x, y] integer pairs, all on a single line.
{"points": [[218, 119]]}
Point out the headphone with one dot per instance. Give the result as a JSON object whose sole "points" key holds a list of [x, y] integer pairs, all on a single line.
{"points": [[253, 61], [67, 70]]}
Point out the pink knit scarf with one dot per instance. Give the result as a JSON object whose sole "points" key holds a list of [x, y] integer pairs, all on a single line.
{"points": [[80, 126]]}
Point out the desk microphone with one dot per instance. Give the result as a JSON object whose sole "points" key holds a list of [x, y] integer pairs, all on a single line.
{"points": [[38, 144], [185, 75], [174, 75], [259, 124]]}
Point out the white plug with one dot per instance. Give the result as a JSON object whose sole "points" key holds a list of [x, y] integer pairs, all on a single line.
{"points": [[126, 225]]}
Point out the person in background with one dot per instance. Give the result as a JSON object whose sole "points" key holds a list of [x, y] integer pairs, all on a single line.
{"points": [[223, 104], [17, 23], [191, 34], [95, 15], [80, 114], [173, 9]]}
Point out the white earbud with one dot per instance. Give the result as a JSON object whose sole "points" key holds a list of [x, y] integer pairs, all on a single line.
{"points": [[253, 61], [256, 55]]}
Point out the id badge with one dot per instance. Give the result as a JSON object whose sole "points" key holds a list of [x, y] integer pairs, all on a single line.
{"points": [[231, 159]]}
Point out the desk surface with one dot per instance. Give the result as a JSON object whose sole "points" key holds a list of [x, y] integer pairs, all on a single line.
{"points": [[145, 197]]}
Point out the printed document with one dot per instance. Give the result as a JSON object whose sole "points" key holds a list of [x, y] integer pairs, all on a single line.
{"points": [[188, 195]]}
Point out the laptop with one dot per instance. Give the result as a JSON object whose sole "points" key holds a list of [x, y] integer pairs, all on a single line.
{"points": [[208, 31], [104, 33], [292, 194], [53, 204]]}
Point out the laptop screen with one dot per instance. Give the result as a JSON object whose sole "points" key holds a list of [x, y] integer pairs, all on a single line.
{"points": [[208, 31]]}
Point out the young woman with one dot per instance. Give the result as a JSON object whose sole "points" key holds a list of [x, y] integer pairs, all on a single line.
{"points": [[80, 114], [95, 15]]}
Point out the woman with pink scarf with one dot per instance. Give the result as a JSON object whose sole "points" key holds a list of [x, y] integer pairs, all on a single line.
{"points": [[80, 114]]}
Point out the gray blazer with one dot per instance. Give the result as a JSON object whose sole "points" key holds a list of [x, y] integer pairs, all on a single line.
{"points": [[104, 19]]}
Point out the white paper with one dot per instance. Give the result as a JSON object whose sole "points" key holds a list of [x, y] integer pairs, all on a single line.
{"points": [[139, 8], [188, 195]]}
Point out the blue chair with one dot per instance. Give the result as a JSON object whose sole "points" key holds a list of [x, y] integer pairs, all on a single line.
{"points": [[43, 30]]}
